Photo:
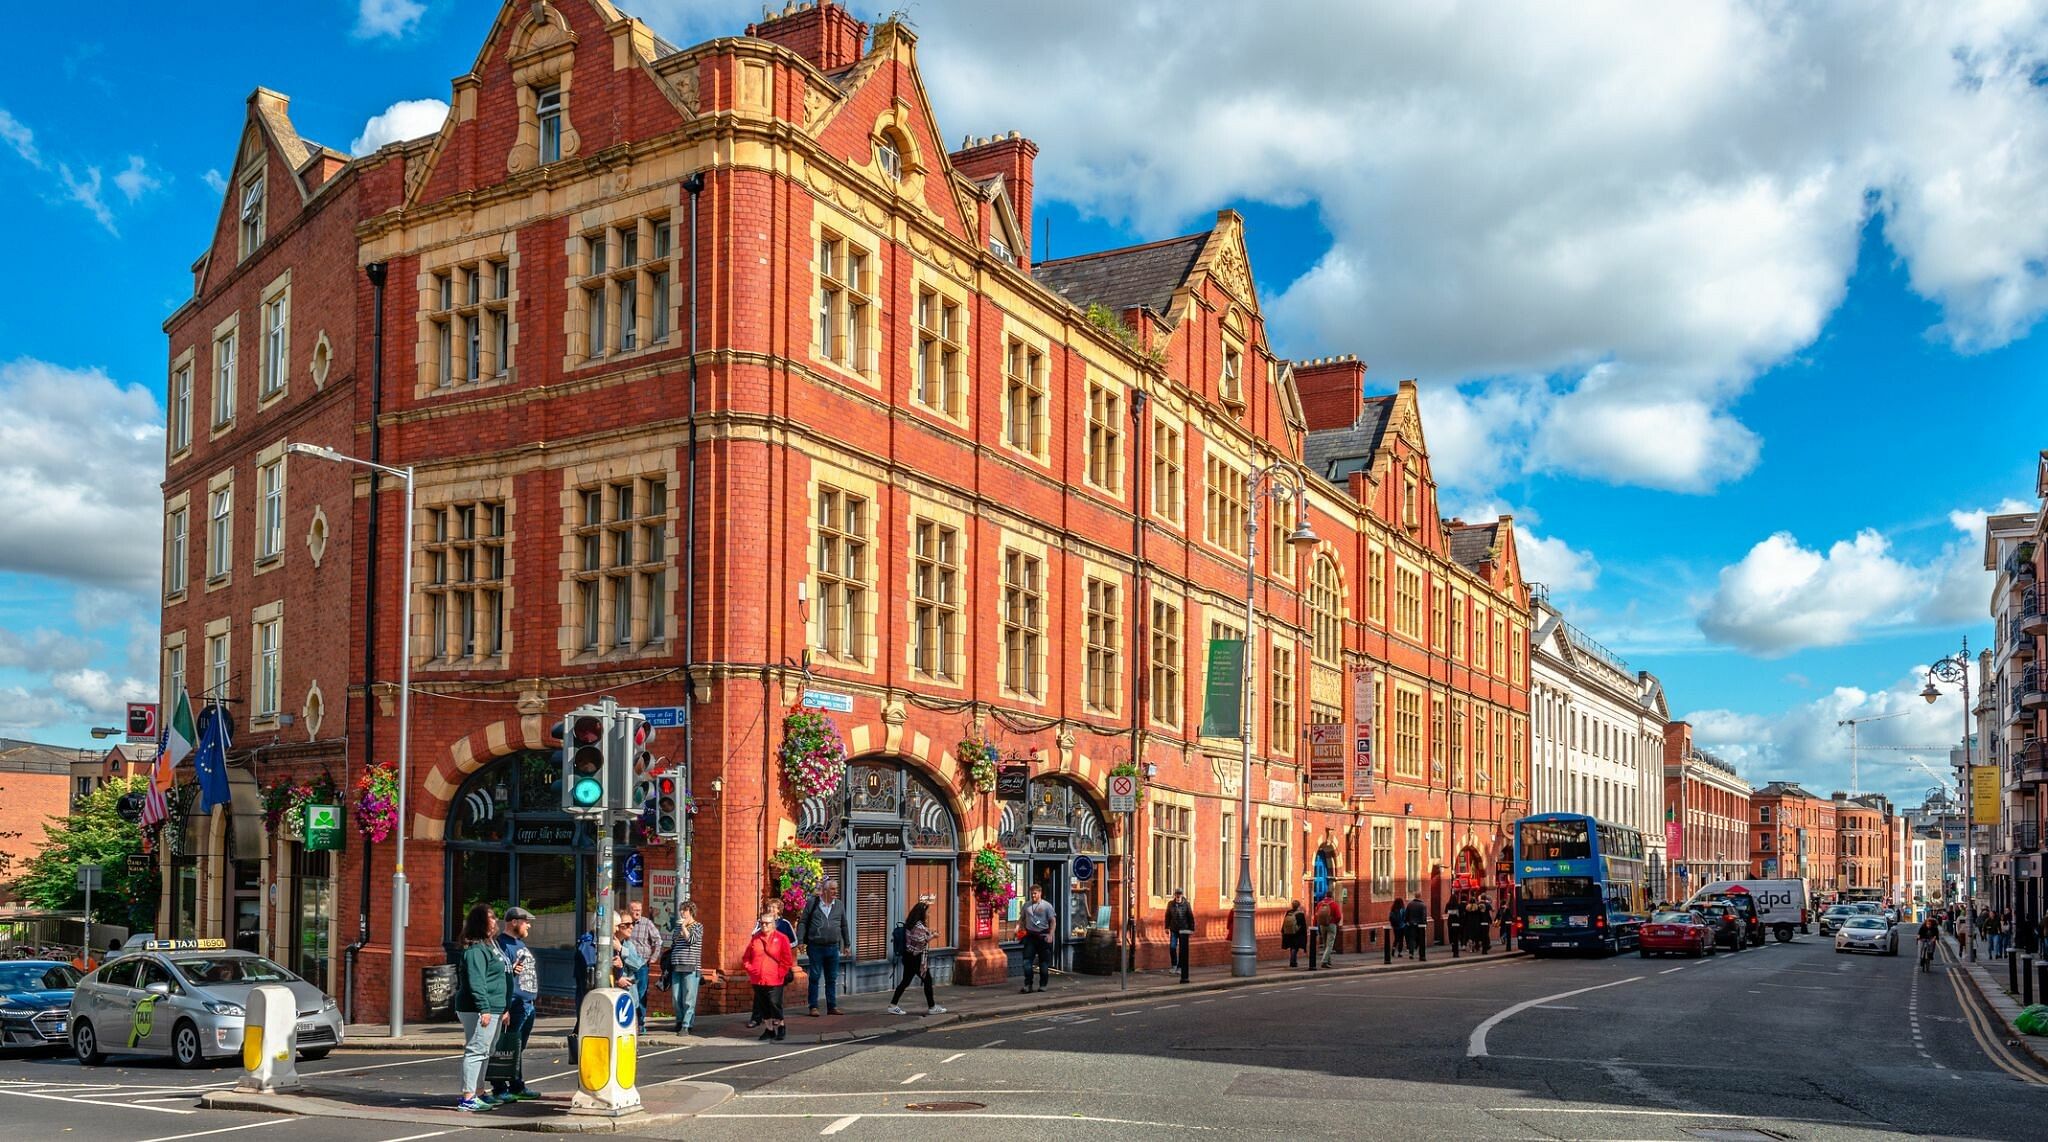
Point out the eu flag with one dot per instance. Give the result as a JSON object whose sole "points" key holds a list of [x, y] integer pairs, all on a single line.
{"points": [[210, 760]]}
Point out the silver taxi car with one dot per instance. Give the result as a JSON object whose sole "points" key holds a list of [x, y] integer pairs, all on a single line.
{"points": [[185, 999]]}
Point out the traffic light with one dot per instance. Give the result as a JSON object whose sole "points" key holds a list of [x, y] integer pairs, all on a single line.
{"points": [[627, 760], [584, 739], [668, 805]]}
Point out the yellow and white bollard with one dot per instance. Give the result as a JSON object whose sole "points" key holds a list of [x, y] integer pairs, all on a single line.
{"points": [[607, 1054], [270, 1041]]}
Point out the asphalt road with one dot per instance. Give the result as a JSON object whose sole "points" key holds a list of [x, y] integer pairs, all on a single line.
{"points": [[1790, 1039]]}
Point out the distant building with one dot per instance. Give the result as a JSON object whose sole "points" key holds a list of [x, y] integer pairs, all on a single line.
{"points": [[1863, 856], [1794, 837], [34, 787], [1709, 806], [91, 770]]}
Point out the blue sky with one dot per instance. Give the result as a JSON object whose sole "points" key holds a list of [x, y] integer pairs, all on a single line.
{"points": [[1736, 308]]}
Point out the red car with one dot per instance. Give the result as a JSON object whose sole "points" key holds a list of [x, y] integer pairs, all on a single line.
{"points": [[1675, 932]]}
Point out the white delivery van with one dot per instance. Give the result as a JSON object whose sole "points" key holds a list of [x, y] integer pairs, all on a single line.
{"points": [[1780, 904]]}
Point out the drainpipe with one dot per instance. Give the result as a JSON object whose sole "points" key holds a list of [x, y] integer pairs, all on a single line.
{"points": [[375, 271], [685, 835]]}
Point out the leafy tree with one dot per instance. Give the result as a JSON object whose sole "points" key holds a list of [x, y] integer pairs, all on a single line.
{"points": [[94, 833]]}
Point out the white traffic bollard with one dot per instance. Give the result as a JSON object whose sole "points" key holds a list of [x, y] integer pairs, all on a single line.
{"points": [[270, 1041], [607, 1054]]}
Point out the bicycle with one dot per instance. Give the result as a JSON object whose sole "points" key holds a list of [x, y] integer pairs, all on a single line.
{"points": [[1926, 954]]}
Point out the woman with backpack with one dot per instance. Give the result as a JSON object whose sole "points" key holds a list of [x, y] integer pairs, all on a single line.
{"points": [[1294, 935], [908, 942]]}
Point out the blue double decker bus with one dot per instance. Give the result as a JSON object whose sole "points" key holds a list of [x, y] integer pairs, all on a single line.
{"points": [[1578, 884]]}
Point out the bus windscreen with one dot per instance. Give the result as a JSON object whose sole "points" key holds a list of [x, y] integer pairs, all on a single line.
{"points": [[1543, 889], [1555, 840]]}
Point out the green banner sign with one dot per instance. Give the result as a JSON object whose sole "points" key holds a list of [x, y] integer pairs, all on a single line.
{"points": [[1223, 696], [323, 828]]}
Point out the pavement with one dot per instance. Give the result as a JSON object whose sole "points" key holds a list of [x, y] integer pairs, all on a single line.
{"points": [[1992, 981]]}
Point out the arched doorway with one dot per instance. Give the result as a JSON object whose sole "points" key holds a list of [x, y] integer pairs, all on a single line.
{"points": [[509, 842], [890, 839], [1056, 840]]}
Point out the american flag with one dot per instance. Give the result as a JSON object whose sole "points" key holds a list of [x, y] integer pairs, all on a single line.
{"points": [[155, 806]]}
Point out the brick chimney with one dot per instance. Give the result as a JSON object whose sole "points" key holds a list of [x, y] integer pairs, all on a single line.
{"points": [[1011, 156], [1332, 390], [821, 32]]}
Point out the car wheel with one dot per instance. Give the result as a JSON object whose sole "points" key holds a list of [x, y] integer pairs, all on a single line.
{"points": [[185, 1050], [85, 1044], [315, 1054], [1643, 952]]}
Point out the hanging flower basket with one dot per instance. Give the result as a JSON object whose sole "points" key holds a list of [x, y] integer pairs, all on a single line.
{"points": [[1130, 769], [798, 874], [813, 757], [376, 803], [978, 759], [994, 884]]}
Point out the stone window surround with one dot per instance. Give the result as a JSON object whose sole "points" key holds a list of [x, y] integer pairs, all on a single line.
{"points": [[1110, 399], [599, 471], [474, 253], [1214, 531], [535, 68], [1117, 645], [225, 395], [864, 366], [1014, 543], [1159, 794], [1177, 463], [272, 612], [610, 220], [1283, 662], [223, 480], [823, 475], [1015, 333], [1167, 713], [959, 382], [253, 172], [221, 629], [182, 502], [270, 561], [440, 498], [179, 420], [927, 511], [174, 641], [272, 388]]}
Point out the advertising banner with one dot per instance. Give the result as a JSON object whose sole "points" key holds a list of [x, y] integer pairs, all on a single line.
{"points": [[1223, 696], [1326, 745], [1674, 839], [1363, 704], [1984, 793]]}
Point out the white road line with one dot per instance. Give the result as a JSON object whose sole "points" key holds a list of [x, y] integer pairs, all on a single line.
{"points": [[754, 1095], [1027, 1117], [1042, 1030], [1166, 1007], [951, 1057], [1475, 1048], [753, 1062], [912, 1079], [382, 1066], [1680, 967], [1673, 1114], [93, 1102], [1090, 1019], [991, 1043], [417, 1137], [204, 1133], [572, 1070], [167, 1098], [839, 1124]]}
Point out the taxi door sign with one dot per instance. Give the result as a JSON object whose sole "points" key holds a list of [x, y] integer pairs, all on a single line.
{"points": [[145, 1018]]}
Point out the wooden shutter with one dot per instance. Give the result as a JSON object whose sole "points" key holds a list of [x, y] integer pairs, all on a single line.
{"points": [[933, 879], [871, 916]]}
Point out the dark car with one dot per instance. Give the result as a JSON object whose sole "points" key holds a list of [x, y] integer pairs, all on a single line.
{"points": [[1721, 918], [1675, 933], [35, 1002], [1745, 910]]}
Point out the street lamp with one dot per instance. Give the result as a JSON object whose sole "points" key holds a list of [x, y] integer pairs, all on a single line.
{"points": [[401, 910], [1956, 668], [1272, 481], [107, 731]]}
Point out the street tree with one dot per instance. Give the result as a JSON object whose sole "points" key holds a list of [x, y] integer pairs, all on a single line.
{"points": [[94, 833]]}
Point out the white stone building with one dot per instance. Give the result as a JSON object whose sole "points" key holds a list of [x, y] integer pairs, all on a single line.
{"points": [[1598, 730]]}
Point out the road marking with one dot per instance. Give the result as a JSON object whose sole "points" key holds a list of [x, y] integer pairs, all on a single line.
{"points": [[572, 1070], [204, 1133], [753, 1095], [751, 1062], [93, 1102], [839, 1124], [1078, 1022], [991, 1043], [1555, 1007], [1013, 1117], [1675, 1114], [1980, 1030], [951, 1057], [912, 1079], [417, 1137], [1042, 1030], [1475, 1048], [382, 1066], [1680, 967], [1166, 1006]]}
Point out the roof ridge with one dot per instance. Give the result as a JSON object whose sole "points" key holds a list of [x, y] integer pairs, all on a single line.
{"points": [[1124, 249]]}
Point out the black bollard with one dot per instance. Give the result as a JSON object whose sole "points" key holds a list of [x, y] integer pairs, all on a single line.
{"points": [[2042, 967], [2012, 971], [2027, 983]]}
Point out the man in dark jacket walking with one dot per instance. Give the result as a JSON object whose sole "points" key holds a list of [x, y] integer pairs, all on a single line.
{"points": [[1482, 925], [1418, 928], [1180, 926], [1397, 918]]}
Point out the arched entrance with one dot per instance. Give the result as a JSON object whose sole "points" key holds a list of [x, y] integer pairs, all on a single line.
{"points": [[1056, 840], [890, 839], [509, 842]]}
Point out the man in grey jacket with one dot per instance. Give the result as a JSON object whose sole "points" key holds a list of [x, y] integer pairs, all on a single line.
{"points": [[823, 933]]}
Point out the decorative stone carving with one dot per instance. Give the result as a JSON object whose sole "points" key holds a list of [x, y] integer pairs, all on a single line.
{"points": [[533, 702], [313, 711], [1065, 739], [894, 714], [1231, 272], [316, 535], [322, 360]]}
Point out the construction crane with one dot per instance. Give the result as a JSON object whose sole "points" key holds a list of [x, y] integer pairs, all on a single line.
{"points": [[1855, 766]]}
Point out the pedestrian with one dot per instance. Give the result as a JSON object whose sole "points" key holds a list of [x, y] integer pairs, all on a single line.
{"points": [[1482, 925], [1294, 934], [782, 923], [907, 944], [1992, 930], [1397, 918], [1454, 923], [1180, 928], [1037, 934], [685, 965], [479, 1003], [1506, 922], [823, 933], [646, 938], [629, 970], [522, 979], [1418, 928], [769, 963], [1330, 924]]}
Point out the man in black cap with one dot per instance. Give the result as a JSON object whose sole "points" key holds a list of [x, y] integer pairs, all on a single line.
{"points": [[522, 987]]}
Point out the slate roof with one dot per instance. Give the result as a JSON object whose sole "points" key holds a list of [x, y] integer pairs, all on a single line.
{"points": [[1135, 277], [17, 756], [1335, 453], [1470, 543]]}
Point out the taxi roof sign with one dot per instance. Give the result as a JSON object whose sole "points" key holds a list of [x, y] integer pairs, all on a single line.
{"points": [[213, 944]]}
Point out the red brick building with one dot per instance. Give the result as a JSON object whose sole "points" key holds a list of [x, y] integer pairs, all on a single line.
{"points": [[726, 383], [35, 786], [1709, 804], [1793, 835]]}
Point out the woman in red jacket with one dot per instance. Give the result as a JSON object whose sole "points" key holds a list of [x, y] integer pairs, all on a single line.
{"points": [[770, 962]]}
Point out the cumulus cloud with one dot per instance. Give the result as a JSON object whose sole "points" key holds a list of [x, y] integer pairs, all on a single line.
{"points": [[17, 135], [405, 119], [215, 181], [1645, 207], [136, 181], [43, 650], [97, 693], [81, 457], [1558, 565], [388, 18], [1806, 743]]}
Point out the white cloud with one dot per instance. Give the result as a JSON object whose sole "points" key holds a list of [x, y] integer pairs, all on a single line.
{"points": [[1558, 565], [392, 18], [43, 650], [215, 181], [86, 192], [1805, 743], [23, 710], [99, 694], [405, 119], [17, 135], [81, 457], [136, 180], [1648, 207]]}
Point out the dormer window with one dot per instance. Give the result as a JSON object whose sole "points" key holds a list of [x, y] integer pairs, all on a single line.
{"points": [[1000, 250], [889, 158], [252, 213], [548, 109], [1231, 386]]}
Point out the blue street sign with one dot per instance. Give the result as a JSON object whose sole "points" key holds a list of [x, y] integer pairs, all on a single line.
{"points": [[624, 1007], [1084, 867], [828, 700], [664, 717], [634, 867]]}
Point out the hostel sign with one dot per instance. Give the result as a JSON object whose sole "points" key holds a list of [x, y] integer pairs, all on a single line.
{"points": [[1362, 760], [323, 828]]}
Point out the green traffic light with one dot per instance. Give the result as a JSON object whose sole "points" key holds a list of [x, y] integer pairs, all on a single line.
{"points": [[588, 791]]}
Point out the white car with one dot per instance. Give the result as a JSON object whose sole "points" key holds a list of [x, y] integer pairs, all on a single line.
{"points": [[1867, 934]]}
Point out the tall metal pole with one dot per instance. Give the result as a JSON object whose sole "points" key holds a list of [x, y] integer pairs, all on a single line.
{"points": [[686, 823], [401, 901], [1244, 942]]}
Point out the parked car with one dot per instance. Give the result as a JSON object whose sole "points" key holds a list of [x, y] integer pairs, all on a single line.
{"points": [[1867, 934], [35, 1002], [1721, 919], [1834, 917], [186, 999], [1675, 933]]}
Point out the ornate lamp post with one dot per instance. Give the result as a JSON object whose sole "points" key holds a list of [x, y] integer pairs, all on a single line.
{"points": [[1270, 482], [1956, 668]]}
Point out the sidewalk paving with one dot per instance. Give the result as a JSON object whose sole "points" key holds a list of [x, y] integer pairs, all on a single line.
{"points": [[866, 1015], [1989, 977]]}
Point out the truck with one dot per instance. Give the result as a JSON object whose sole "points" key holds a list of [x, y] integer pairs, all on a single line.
{"points": [[1781, 906]]}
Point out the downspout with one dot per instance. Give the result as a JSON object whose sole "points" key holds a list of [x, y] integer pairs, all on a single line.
{"points": [[695, 186], [1141, 691], [375, 272]]}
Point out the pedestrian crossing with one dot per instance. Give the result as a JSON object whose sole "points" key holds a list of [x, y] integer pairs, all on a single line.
{"points": [[164, 1098]]}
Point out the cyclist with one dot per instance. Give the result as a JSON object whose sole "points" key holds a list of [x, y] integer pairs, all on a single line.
{"points": [[1929, 933]]}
